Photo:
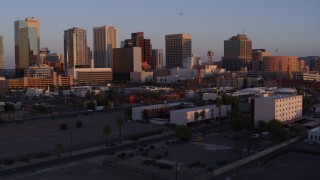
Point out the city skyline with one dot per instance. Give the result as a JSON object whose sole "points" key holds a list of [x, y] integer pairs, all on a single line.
{"points": [[290, 26]]}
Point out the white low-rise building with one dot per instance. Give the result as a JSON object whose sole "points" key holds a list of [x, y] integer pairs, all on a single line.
{"points": [[280, 107], [314, 135], [188, 115], [178, 113]]}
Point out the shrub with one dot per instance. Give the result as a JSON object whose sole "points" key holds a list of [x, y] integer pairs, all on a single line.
{"points": [[167, 142], [141, 149], [79, 124], [222, 163], [64, 127], [166, 153], [112, 144], [145, 154], [8, 161], [130, 154], [164, 166], [151, 146], [43, 155], [210, 169], [159, 156]]}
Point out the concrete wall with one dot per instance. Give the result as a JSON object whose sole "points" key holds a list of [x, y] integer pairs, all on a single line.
{"points": [[246, 160]]}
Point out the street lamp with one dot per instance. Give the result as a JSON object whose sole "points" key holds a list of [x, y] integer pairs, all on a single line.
{"points": [[71, 142], [177, 169]]}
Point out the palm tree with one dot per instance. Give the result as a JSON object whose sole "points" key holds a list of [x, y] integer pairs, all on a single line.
{"points": [[9, 108], [196, 116], [59, 148], [106, 131], [120, 123], [218, 105], [203, 115]]}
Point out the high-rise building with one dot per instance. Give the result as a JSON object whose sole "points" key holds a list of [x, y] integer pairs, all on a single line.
{"points": [[75, 47], [178, 48], [237, 53], [126, 60], [157, 59], [27, 43], [257, 58], [1, 54], [137, 40], [312, 61], [43, 54], [105, 38]]}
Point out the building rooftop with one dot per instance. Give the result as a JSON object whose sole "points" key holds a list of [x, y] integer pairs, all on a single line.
{"points": [[195, 108], [156, 106], [285, 90], [279, 96]]}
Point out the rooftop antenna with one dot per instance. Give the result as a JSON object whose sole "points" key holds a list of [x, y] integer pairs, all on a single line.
{"points": [[243, 31]]}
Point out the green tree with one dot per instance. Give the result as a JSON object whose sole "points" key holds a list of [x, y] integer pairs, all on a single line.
{"points": [[79, 124], [63, 127], [90, 95], [277, 131], [106, 131], [120, 123], [77, 103], [203, 114], [144, 115], [59, 149], [196, 116], [9, 108], [261, 126], [183, 133], [128, 113], [1, 121], [91, 105]]}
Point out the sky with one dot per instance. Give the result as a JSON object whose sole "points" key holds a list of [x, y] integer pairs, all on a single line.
{"points": [[291, 26]]}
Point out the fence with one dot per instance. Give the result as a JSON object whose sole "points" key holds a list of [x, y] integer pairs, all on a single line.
{"points": [[246, 160]]}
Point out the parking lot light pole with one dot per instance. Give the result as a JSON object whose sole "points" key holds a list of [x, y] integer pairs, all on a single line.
{"points": [[177, 169], [71, 142]]}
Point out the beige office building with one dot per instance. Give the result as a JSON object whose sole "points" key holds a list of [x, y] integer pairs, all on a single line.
{"points": [[281, 107], [257, 58], [75, 47], [105, 38], [237, 53], [282, 64], [91, 76], [178, 48], [1, 54]]}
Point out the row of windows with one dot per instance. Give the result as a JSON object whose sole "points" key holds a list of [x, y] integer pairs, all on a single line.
{"points": [[316, 138]]}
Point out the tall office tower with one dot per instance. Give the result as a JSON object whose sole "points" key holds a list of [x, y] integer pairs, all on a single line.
{"points": [[157, 59], [27, 43], [137, 40], [178, 48], [237, 53], [43, 54], [126, 60], [75, 47], [105, 38], [257, 58], [1, 54]]}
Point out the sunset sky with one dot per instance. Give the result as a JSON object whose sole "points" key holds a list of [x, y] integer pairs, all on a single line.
{"points": [[292, 26]]}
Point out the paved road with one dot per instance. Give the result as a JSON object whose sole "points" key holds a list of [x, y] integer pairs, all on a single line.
{"points": [[52, 163]]}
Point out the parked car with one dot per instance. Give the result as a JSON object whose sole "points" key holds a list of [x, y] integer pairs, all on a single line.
{"points": [[197, 139], [312, 142]]}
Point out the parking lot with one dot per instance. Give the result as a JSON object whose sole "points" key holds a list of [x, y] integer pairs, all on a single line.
{"points": [[43, 135]]}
